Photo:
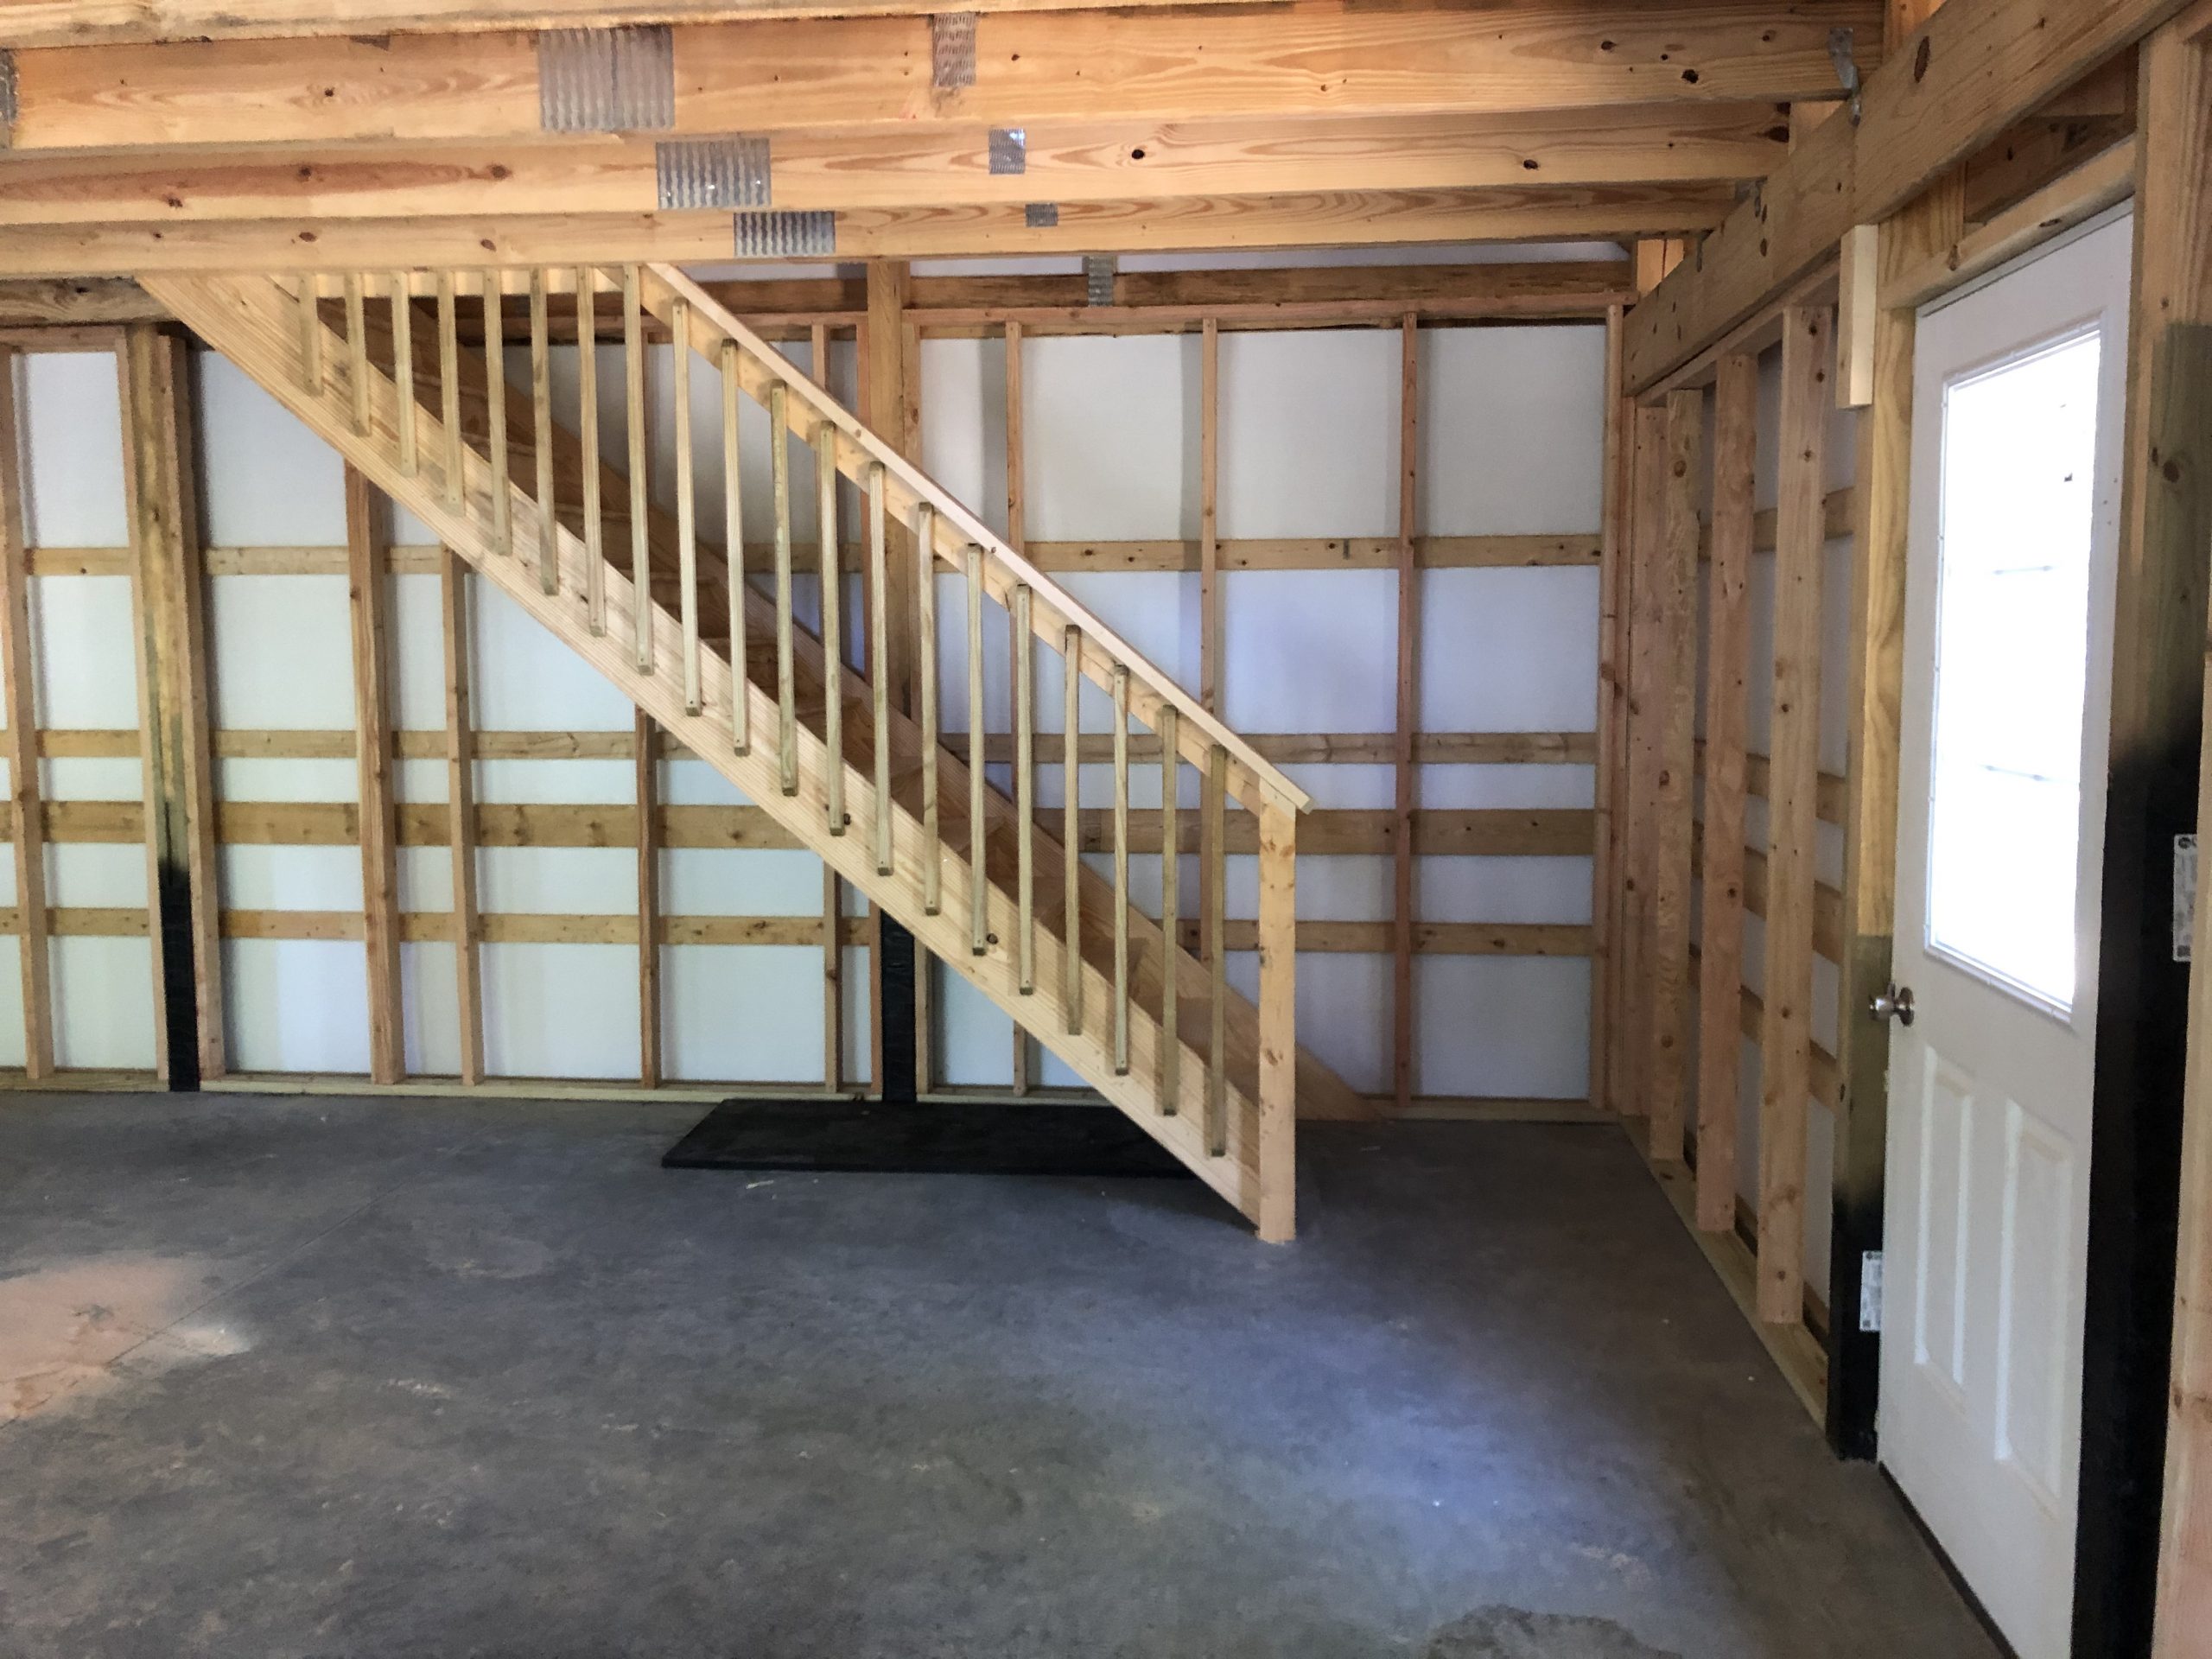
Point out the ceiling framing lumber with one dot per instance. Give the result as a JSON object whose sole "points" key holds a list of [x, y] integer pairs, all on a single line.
{"points": [[1317, 57], [1955, 85], [1314, 220], [903, 169], [1162, 300], [116, 23]]}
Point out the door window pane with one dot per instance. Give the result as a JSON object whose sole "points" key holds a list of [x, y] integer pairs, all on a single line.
{"points": [[2012, 648]]}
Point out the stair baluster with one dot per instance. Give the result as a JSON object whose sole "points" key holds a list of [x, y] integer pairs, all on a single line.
{"points": [[1021, 642], [833, 619], [926, 638], [403, 367], [1171, 919], [979, 885], [687, 511], [780, 444], [541, 405], [740, 681], [587, 448], [495, 414], [449, 391], [633, 397]]}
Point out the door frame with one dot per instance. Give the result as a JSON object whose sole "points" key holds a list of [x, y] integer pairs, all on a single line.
{"points": [[2153, 775]]}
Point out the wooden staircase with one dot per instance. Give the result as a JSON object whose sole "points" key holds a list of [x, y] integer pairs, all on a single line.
{"points": [[374, 363]]}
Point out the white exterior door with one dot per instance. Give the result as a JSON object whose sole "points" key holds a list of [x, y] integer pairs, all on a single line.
{"points": [[2018, 397]]}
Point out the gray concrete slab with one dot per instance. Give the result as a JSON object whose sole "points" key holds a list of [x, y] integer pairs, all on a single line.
{"points": [[415, 1376]]}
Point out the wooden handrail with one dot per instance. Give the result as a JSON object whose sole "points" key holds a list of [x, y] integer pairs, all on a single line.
{"points": [[1252, 779]]}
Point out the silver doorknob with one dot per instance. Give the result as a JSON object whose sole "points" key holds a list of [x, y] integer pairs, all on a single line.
{"points": [[1896, 1003]]}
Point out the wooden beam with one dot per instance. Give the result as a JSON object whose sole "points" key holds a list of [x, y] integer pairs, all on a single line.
{"points": [[1239, 296], [169, 576], [1408, 711], [1325, 57], [1675, 717], [1953, 85], [128, 23], [1638, 841], [648, 838], [1727, 712], [2155, 786], [461, 817], [1605, 864], [1017, 519], [18, 689], [378, 814], [1785, 1042], [942, 167], [1314, 219]]}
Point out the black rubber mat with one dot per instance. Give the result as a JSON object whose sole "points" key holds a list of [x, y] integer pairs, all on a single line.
{"points": [[961, 1138]]}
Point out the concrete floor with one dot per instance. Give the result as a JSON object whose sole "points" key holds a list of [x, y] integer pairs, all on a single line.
{"points": [[423, 1377]]}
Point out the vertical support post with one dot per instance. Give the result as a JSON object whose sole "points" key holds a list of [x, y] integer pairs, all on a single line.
{"points": [[171, 578], [645, 739], [1278, 1028], [1605, 813], [1638, 839], [1727, 713], [1409, 717], [833, 981], [1017, 516], [1674, 720], [461, 812], [1793, 774], [2147, 1340], [22, 702], [367, 567], [899, 1015], [1210, 635]]}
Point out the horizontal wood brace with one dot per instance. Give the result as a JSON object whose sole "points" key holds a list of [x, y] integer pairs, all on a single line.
{"points": [[1429, 938], [1275, 553], [517, 927]]}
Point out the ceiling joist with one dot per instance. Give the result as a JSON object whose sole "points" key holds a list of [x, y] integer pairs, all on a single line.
{"points": [[1316, 57], [117, 22], [1311, 219], [930, 166]]}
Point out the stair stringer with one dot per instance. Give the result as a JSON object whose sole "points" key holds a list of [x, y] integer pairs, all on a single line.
{"points": [[252, 321]]}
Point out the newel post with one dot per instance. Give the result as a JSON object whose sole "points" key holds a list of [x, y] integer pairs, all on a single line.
{"points": [[1278, 1098]]}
